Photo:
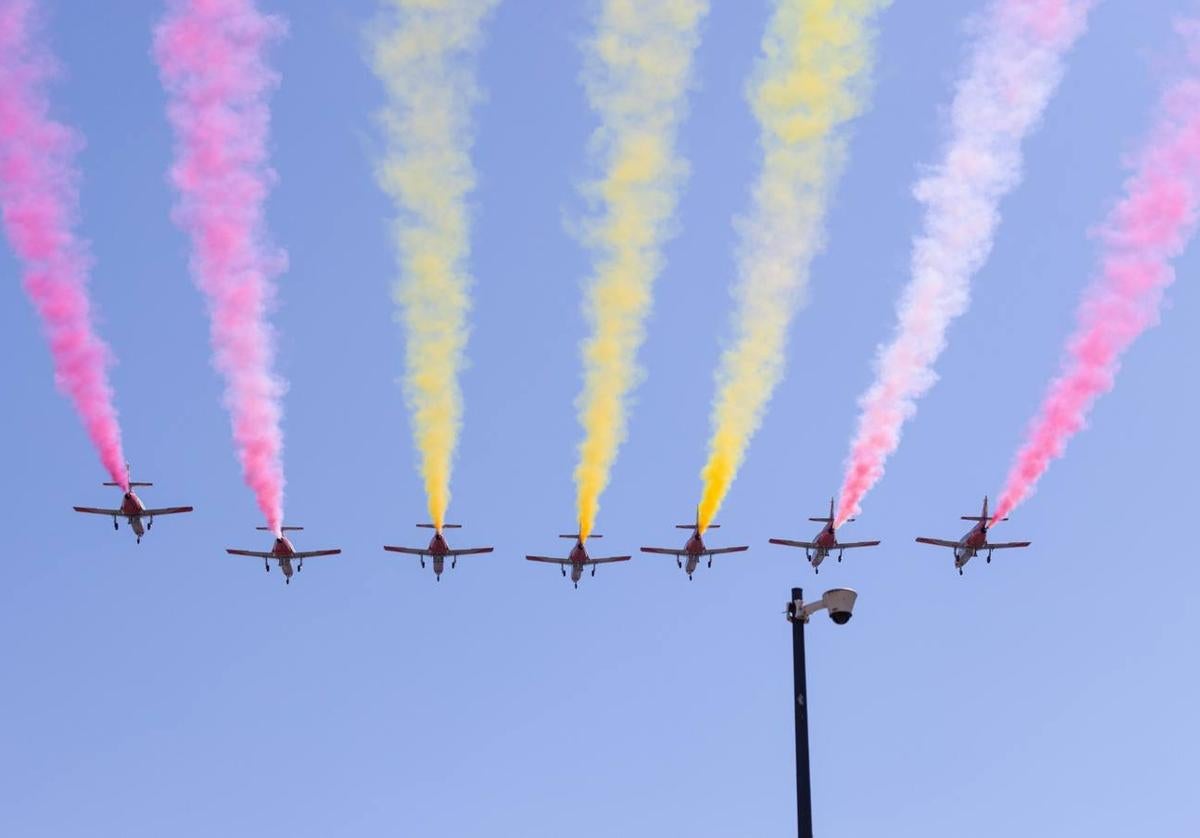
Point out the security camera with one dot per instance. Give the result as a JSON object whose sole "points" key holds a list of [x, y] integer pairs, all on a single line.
{"points": [[840, 602]]}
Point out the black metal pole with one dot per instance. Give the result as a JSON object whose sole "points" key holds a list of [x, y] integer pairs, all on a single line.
{"points": [[799, 680]]}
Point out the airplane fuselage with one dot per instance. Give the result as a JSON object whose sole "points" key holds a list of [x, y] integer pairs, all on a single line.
{"points": [[132, 509], [578, 556], [826, 541], [695, 550], [438, 548], [970, 544], [282, 552]]}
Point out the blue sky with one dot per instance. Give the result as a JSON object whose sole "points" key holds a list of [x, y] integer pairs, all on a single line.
{"points": [[168, 688]]}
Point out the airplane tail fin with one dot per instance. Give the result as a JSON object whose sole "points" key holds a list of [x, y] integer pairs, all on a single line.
{"points": [[281, 529], [132, 484], [696, 526], [575, 535], [444, 526], [832, 515], [983, 515]]}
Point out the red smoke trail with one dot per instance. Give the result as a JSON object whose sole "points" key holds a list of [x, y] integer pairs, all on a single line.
{"points": [[39, 202], [1150, 226], [211, 58], [1015, 67]]}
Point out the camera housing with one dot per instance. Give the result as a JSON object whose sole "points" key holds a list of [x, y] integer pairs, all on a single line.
{"points": [[840, 602]]}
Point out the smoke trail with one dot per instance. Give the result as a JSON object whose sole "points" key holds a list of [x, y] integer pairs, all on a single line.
{"points": [[636, 79], [1150, 226], [210, 55], [422, 56], [1015, 67], [40, 204], [811, 81]]}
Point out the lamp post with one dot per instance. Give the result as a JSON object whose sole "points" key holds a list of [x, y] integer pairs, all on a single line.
{"points": [[840, 603]]}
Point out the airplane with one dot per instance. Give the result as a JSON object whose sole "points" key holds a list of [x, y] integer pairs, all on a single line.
{"points": [[578, 559], [694, 549], [975, 541], [825, 542], [133, 510], [283, 552], [438, 549]]}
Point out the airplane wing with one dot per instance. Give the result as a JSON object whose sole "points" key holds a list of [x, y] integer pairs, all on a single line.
{"points": [[718, 551], [167, 510], [412, 551], [548, 559], [91, 510], [666, 551], [250, 553], [807, 545], [609, 560], [852, 544], [1006, 545], [313, 554], [471, 551], [937, 542]]}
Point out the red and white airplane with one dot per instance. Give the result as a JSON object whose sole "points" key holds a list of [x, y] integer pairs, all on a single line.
{"points": [[578, 559], [694, 549], [133, 510], [825, 542], [283, 552], [975, 541], [438, 549]]}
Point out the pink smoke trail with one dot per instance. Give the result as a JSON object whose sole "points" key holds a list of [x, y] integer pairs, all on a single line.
{"points": [[1150, 226], [210, 55], [39, 203], [1015, 67]]}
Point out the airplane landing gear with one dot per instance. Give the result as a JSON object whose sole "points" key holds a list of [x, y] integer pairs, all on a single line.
{"points": [[149, 524], [710, 561], [577, 586], [593, 570], [678, 564], [116, 526], [287, 580], [266, 566], [453, 563], [960, 571], [422, 562]]}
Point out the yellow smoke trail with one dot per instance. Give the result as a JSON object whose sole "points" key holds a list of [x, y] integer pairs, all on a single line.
{"points": [[421, 50], [811, 80], [637, 78]]}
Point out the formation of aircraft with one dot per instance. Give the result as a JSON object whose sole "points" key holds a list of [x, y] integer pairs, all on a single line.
{"points": [[438, 549], [578, 559], [688, 557], [283, 552], [975, 541], [133, 510], [694, 548], [825, 542]]}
